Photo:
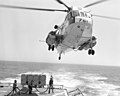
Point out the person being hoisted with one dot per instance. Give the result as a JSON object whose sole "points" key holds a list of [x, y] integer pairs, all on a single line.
{"points": [[53, 39], [50, 40]]}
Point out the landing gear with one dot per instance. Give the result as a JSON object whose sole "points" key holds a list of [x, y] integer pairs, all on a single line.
{"points": [[91, 52], [59, 57]]}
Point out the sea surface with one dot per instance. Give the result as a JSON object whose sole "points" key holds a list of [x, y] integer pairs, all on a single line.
{"points": [[93, 80]]}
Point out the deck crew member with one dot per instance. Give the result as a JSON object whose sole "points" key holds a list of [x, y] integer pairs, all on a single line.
{"points": [[51, 84]]}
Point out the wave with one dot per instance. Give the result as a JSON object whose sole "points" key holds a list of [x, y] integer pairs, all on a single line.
{"points": [[96, 86]]}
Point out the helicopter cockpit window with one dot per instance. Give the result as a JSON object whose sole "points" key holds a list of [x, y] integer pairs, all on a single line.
{"points": [[82, 14], [72, 14], [75, 13], [68, 16], [86, 15]]}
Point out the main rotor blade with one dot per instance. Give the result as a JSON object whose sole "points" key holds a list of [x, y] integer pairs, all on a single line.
{"points": [[29, 8], [107, 17], [97, 2], [59, 1]]}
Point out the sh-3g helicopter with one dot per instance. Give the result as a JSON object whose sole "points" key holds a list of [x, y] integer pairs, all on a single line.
{"points": [[75, 33]]}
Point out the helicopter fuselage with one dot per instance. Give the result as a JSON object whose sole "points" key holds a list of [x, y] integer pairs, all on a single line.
{"points": [[75, 33], [76, 29]]}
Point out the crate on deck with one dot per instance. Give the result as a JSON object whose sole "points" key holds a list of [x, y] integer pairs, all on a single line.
{"points": [[37, 80], [42, 80], [24, 80]]}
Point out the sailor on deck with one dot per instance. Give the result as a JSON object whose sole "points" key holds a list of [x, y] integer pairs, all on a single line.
{"points": [[30, 85], [51, 84], [14, 90]]}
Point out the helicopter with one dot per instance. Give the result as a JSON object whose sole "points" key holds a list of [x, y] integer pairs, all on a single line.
{"points": [[75, 33]]}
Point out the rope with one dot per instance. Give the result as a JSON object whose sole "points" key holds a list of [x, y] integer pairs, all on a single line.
{"points": [[43, 91], [80, 91], [48, 88]]}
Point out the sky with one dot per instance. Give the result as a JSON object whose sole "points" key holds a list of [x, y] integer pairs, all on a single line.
{"points": [[21, 30]]}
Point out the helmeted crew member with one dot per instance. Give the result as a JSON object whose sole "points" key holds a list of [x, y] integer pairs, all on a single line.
{"points": [[59, 39], [51, 40], [54, 39], [51, 84]]}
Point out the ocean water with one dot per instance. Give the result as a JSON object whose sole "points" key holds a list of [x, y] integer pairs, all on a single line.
{"points": [[92, 80]]}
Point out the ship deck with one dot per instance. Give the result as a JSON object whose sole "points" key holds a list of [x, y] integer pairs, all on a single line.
{"points": [[23, 91], [4, 91]]}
